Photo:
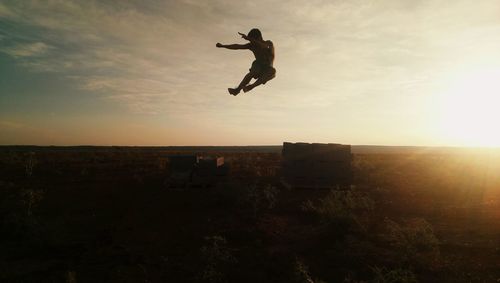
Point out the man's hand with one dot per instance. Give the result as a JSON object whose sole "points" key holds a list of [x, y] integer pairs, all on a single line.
{"points": [[219, 45], [244, 36]]}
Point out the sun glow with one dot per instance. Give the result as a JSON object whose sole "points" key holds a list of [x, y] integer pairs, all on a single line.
{"points": [[470, 109]]}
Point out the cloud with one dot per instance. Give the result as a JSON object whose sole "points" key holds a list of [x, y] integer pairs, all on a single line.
{"points": [[159, 56], [118, 49], [5, 12], [26, 50], [11, 125]]}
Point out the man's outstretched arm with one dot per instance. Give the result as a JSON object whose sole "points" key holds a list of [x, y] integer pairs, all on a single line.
{"points": [[263, 44], [233, 46]]}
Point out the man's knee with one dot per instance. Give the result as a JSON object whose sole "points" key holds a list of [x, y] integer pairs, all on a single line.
{"points": [[269, 75], [272, 73], [254, 75]]}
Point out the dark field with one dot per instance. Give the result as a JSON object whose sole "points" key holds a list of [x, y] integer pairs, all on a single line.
{"points": [[92, 214]]}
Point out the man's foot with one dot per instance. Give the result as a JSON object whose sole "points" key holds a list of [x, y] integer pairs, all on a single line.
{"points": [[233, 91], [248, 88]]}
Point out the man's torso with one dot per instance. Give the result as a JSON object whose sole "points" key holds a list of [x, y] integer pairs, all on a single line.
{"points": [[263, 55]]}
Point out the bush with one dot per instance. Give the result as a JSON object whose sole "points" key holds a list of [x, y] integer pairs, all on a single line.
{"points": [[217, 259], [256, 198], [29, 164], [414, 242], [301, 273], [340, 207], [383, 275], [261, 198], [16, 210]]}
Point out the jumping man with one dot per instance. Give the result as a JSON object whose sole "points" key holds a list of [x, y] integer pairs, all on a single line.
{"points": [[262, 68]]}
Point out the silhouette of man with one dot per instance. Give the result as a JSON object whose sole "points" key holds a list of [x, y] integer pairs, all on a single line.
{"points": [[262, 67]]}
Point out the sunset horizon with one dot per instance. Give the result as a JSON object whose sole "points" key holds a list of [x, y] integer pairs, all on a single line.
{"points": [[263, 141]]}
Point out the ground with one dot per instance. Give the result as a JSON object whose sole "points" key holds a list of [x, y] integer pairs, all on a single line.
{"points": [[106, 215]]}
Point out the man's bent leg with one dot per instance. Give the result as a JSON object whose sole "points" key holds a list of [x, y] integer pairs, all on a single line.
{"points": [[261, 80], [244, 82]]}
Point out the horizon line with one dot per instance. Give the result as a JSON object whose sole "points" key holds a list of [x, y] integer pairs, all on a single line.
{"points": [[263, 145]]}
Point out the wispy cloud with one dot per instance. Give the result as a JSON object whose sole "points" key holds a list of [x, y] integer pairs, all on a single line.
{"points": [[26, 50], [129, 52], [5, 12], [11, 125], [128, 43]]}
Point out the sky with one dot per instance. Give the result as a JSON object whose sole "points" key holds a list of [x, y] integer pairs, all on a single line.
{"points": [[123, 72]]}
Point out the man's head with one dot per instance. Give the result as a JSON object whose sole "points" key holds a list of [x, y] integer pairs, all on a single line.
{"points": [[255, 34]]}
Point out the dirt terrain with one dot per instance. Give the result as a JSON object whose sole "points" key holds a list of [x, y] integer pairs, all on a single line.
{"points": [[94, 214]]}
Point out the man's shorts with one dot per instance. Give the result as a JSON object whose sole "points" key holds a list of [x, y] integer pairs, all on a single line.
{"points": [[259, 69]]}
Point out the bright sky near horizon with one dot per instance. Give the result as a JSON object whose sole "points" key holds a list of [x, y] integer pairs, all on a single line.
{"points": [[385, 72]]}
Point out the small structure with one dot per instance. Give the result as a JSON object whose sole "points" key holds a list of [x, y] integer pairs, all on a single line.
{"points": [[194, 170], [207, 171], [316, 165]]}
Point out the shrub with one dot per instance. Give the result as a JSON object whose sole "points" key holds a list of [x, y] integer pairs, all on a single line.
{"points": [[30, 164], [415, 242], [383, 275], [71, 277], [16, 210], [256, 198], [301, 273], [261, 198], [217, 259], [340, 207]]}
